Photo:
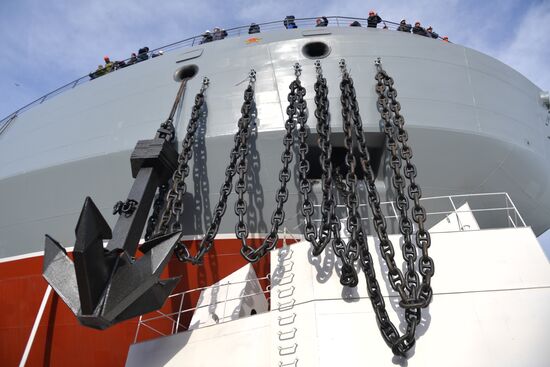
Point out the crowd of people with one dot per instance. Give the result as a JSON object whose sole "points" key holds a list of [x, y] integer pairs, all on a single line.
{"points": [[289, 23], [419, 30], [109, 66], [372, 22]]}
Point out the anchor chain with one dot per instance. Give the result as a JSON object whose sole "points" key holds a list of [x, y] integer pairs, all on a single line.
{"points": [[414, 295], [240, 140], [296, 111], [158, 204], [353, 222], [327, 203], [166, 131], [330, 224], [423, 294], [350, 111], [406, 288], [170, 220]]}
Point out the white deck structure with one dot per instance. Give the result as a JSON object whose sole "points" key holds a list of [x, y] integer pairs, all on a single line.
{"points": [[490, 308]]}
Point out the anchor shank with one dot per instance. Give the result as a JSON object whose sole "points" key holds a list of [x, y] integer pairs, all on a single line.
{"points": [[128, 229], [153, 162]]}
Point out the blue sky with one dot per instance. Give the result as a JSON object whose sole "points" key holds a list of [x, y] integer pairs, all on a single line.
{"points": [[47, 43]]}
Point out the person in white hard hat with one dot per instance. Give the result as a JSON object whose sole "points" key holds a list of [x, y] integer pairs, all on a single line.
{"points": [[206, 37]]}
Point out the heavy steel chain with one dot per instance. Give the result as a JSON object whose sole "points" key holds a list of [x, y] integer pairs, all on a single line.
{"points": [[401, 201], [166, 131], [353, 222], [240, 141], [327, 202], [423, 294], [158, 204], [330, 225], [170, 219], [296, 112], [399, 344], [414, 296]]}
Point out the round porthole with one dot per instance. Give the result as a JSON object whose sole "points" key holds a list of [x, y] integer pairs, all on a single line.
{"points": [[316, 50], [186, 72]]}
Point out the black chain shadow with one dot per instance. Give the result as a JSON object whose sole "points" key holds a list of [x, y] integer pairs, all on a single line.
{"points": [[200, 202]]}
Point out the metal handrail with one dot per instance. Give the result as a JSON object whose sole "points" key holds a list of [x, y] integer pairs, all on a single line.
{"points": [[175, 317], [334, 21], [509, 206]]}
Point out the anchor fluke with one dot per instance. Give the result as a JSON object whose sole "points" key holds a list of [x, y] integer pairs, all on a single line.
{"points": [[93, 265], [132, 280], [58, 270], [132, 287], [151, 300]]}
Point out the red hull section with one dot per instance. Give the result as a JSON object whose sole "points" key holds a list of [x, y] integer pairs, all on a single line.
{"points": [[61, 341]]}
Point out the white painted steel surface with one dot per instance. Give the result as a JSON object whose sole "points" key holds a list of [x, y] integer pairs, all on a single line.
{"points": [[490, 308], [231, 298]]}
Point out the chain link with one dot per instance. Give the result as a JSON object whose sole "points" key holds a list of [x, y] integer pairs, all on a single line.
{"points": [[166, 131], [296, 112], [406, 288], [240, 142], [328, 217], [413, 293], [350, 112], [423, 294], [353, 222], [158, 204], [170, 219]]}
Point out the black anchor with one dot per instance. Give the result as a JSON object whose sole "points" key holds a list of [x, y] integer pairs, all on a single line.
{"points": [[104, 286]]}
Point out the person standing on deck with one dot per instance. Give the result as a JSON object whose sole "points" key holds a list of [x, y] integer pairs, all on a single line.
{"points": [[431, 33], [417, 29], [289, 22], [373, 19], [108, 65], [321, 22], [206, 37], [404, 26]]}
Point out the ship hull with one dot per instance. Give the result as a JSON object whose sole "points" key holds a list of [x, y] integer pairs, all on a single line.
{"points": [[475, 125], [60, 340]]}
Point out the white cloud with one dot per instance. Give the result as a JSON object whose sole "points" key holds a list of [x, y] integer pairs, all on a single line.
{"points": [[529, 50]]}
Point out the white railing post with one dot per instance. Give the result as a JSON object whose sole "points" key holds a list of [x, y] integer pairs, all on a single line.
{"points": [[516, 209], [456, 213], [393, 210], [179, 314], [137, 329], [35, 326]]}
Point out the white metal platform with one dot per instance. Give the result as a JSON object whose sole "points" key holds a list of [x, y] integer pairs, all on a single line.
{"points": [[490, 308]]}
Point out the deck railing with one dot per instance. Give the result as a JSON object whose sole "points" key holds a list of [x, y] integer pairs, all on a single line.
{"points": [[174, 319], [302, 23], [465, 212], [460, 208]]}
